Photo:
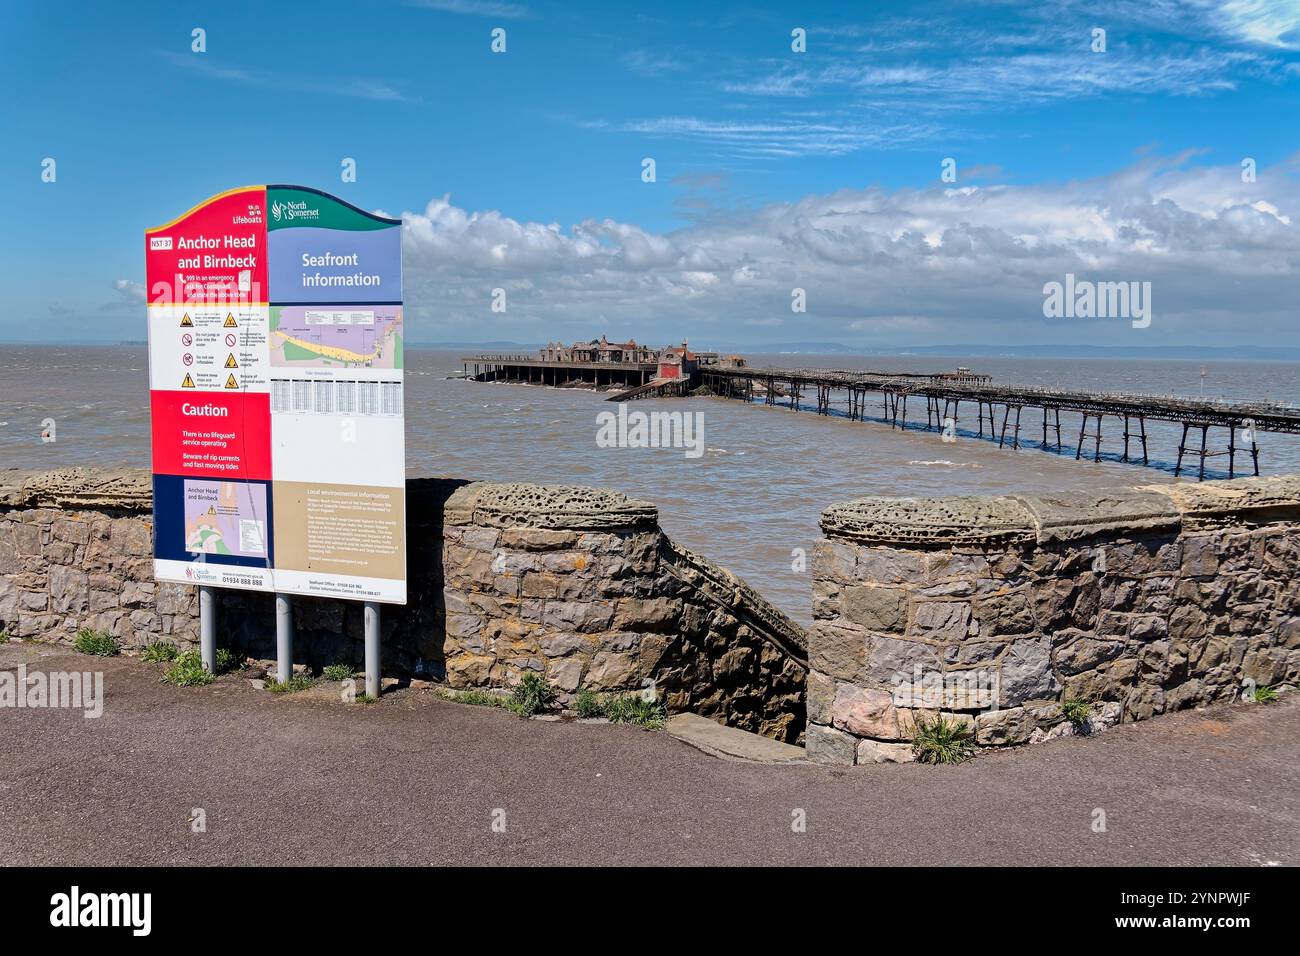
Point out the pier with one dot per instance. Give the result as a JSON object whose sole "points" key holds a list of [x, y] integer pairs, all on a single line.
{"points": [[944, 393], [530, 370]]}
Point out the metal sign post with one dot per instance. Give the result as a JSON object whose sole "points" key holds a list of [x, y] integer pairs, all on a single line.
{"points": [[208, 628], [283, 637], [372, 649]]}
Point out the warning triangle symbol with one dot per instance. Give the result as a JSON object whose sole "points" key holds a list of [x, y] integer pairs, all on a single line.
{"points": [[230, 381], [230, 361], [189, 382], [186, 321], [230, 322]]}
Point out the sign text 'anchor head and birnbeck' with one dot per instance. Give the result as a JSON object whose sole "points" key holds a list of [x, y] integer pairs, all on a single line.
{"points": [[275, 377]]}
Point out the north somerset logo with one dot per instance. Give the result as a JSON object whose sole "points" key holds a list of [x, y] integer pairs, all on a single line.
{"points": [[286, 211]]}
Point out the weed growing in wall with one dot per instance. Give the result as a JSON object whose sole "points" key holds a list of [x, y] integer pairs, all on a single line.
{"points": [[94, 642]]}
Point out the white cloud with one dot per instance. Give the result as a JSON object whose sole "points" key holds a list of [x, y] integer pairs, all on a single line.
{"points": [[1268, 23], [130, 290], [476, 8], [901, 267], [366, 88]]}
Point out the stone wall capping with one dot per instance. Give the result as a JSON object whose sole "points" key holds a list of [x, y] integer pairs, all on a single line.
{"points": [[941, 523], [569, 507], [1074, 515], [96, 489], [1268, 498], [930, 522]]}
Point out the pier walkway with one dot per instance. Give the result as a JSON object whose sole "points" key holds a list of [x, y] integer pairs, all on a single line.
{"points": [[847, 391]]}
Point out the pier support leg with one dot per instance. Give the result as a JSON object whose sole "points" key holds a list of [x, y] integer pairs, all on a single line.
{"points": [[208, 628], [1200, 476], [1082, 429], [372, 649], [1182, 446], [1232, 451], [1006, 414], [1126, 436], [1142, 423]]}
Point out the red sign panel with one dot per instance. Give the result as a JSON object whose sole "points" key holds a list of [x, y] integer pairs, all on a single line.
{"points": [[216, 252], [212, 435]]}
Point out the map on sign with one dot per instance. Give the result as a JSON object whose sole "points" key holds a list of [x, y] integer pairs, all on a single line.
{"points": [[225, 517], [309, 337]]}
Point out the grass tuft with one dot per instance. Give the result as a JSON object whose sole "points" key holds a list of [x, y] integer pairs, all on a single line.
{"points": [[94, 642], [295, 683], [188, 671], [226, 661], [634, 709], [337, 671], [532, 695], [476, 698], [4, 637], [1265, 695], [942, 741], [587, 704], [160, 652], [1077, 712]]}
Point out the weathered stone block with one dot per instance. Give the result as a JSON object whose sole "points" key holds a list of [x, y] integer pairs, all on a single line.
{"points": [[891, 661], [874, 752], [865, 712], [941, 620], [577, 616], [876, 608], [1003, 727], [1008, 613], [837, 650], [651, 614], [828, 745], [1026, 672], [820, 697], [1082, 653]]}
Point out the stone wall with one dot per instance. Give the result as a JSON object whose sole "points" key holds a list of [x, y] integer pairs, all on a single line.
{"points": [[577, 584], [997, 610]]}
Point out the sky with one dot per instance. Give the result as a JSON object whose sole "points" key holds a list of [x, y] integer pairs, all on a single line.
{"points": [[781, 176]]}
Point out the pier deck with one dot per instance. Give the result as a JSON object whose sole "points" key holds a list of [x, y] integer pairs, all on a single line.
{"points": [[944, 393]]}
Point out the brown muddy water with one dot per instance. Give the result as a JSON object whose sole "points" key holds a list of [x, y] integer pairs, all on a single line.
{"points": [[750, 501]]}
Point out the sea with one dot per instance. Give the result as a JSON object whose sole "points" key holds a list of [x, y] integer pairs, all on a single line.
{"points": [[750, 500]]}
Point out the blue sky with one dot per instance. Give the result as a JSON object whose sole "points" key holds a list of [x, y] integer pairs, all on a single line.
{"points": [[775, 169]]}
